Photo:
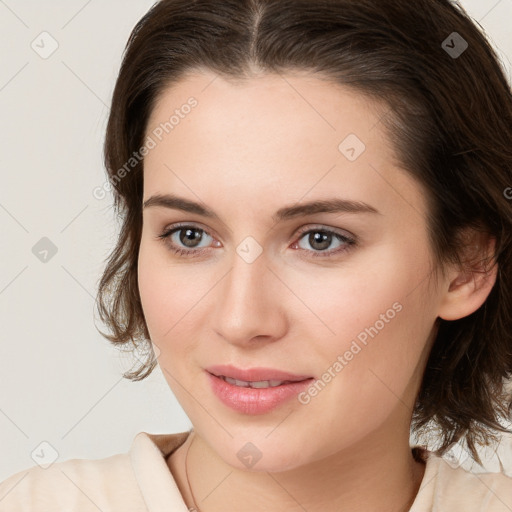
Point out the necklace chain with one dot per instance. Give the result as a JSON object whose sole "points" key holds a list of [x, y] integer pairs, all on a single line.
{"points": [[195, 507]]}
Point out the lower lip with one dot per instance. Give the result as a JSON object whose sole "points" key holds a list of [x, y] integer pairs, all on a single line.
{"points": [[252, 400]]}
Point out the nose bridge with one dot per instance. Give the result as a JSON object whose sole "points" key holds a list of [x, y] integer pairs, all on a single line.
{"points": [[247, 302], [245, 281]]}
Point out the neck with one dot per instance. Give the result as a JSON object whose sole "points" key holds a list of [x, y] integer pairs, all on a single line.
{"points": [[379, 476]]}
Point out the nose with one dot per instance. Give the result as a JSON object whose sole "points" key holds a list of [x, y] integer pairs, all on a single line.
{"points": [[251, 304]]}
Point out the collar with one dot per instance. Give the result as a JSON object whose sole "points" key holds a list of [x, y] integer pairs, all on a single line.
{"points": [[148, 458], [149, 452]]}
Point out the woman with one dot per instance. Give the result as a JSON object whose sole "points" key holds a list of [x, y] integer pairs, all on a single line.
{"points": [[317, 251]]}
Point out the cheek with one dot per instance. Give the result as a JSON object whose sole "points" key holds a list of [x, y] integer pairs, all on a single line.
{"points": [[161, 293], [380, 304], [375, 290], [382, 316], [172, 296]]}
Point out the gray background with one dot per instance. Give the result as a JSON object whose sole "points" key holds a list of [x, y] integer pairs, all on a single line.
{"points": [[61, 382]]}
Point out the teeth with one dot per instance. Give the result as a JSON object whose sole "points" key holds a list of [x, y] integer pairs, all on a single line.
{"points": [[257, 384]]}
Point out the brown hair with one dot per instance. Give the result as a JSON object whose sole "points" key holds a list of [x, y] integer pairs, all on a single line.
{"points": [[449, 119]]}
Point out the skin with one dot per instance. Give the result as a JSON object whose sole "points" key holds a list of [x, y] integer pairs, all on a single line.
{"points": [[246, 150]]}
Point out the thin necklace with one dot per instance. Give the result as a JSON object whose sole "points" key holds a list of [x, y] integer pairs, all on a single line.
{"points": [[196, 508]]}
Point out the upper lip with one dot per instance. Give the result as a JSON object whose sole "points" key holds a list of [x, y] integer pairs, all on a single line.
{"points": [[254, 374]]}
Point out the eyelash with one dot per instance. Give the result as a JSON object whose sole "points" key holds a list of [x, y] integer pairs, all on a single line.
{"points": [[190, 253]]}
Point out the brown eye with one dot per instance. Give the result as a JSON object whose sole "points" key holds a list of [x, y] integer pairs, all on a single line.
{"points": [[184, 240], [189, 236], [319, 240]]}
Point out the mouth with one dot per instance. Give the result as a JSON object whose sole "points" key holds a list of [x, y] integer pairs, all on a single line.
{"points": [[258, 384], [256, 390], [255, 377]]}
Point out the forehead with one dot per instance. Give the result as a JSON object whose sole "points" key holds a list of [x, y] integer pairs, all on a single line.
{"points": [[296, 104], [293, 134]]}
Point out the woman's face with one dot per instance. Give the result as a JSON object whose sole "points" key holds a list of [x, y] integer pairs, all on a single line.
{"points": [[340, 298]]}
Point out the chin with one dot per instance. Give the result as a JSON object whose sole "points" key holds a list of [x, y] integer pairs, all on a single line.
{"points": [[261, 454]]}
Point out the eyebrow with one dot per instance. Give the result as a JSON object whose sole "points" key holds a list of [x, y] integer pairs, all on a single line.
{"points": [[333, 205]]}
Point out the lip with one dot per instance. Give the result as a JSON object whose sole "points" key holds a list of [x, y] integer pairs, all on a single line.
{"points": [[253, 401], [255, 374]]}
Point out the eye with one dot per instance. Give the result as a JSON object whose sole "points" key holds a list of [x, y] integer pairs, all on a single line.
{"points": [[320, 239], [177, 237], [185, 240]]}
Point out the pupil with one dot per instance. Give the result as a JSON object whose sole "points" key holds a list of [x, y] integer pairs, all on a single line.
{"points": [[188, 237], [322, 238]]}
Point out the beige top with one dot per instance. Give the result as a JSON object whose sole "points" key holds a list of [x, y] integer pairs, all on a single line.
{"points": [[140, 481]]}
